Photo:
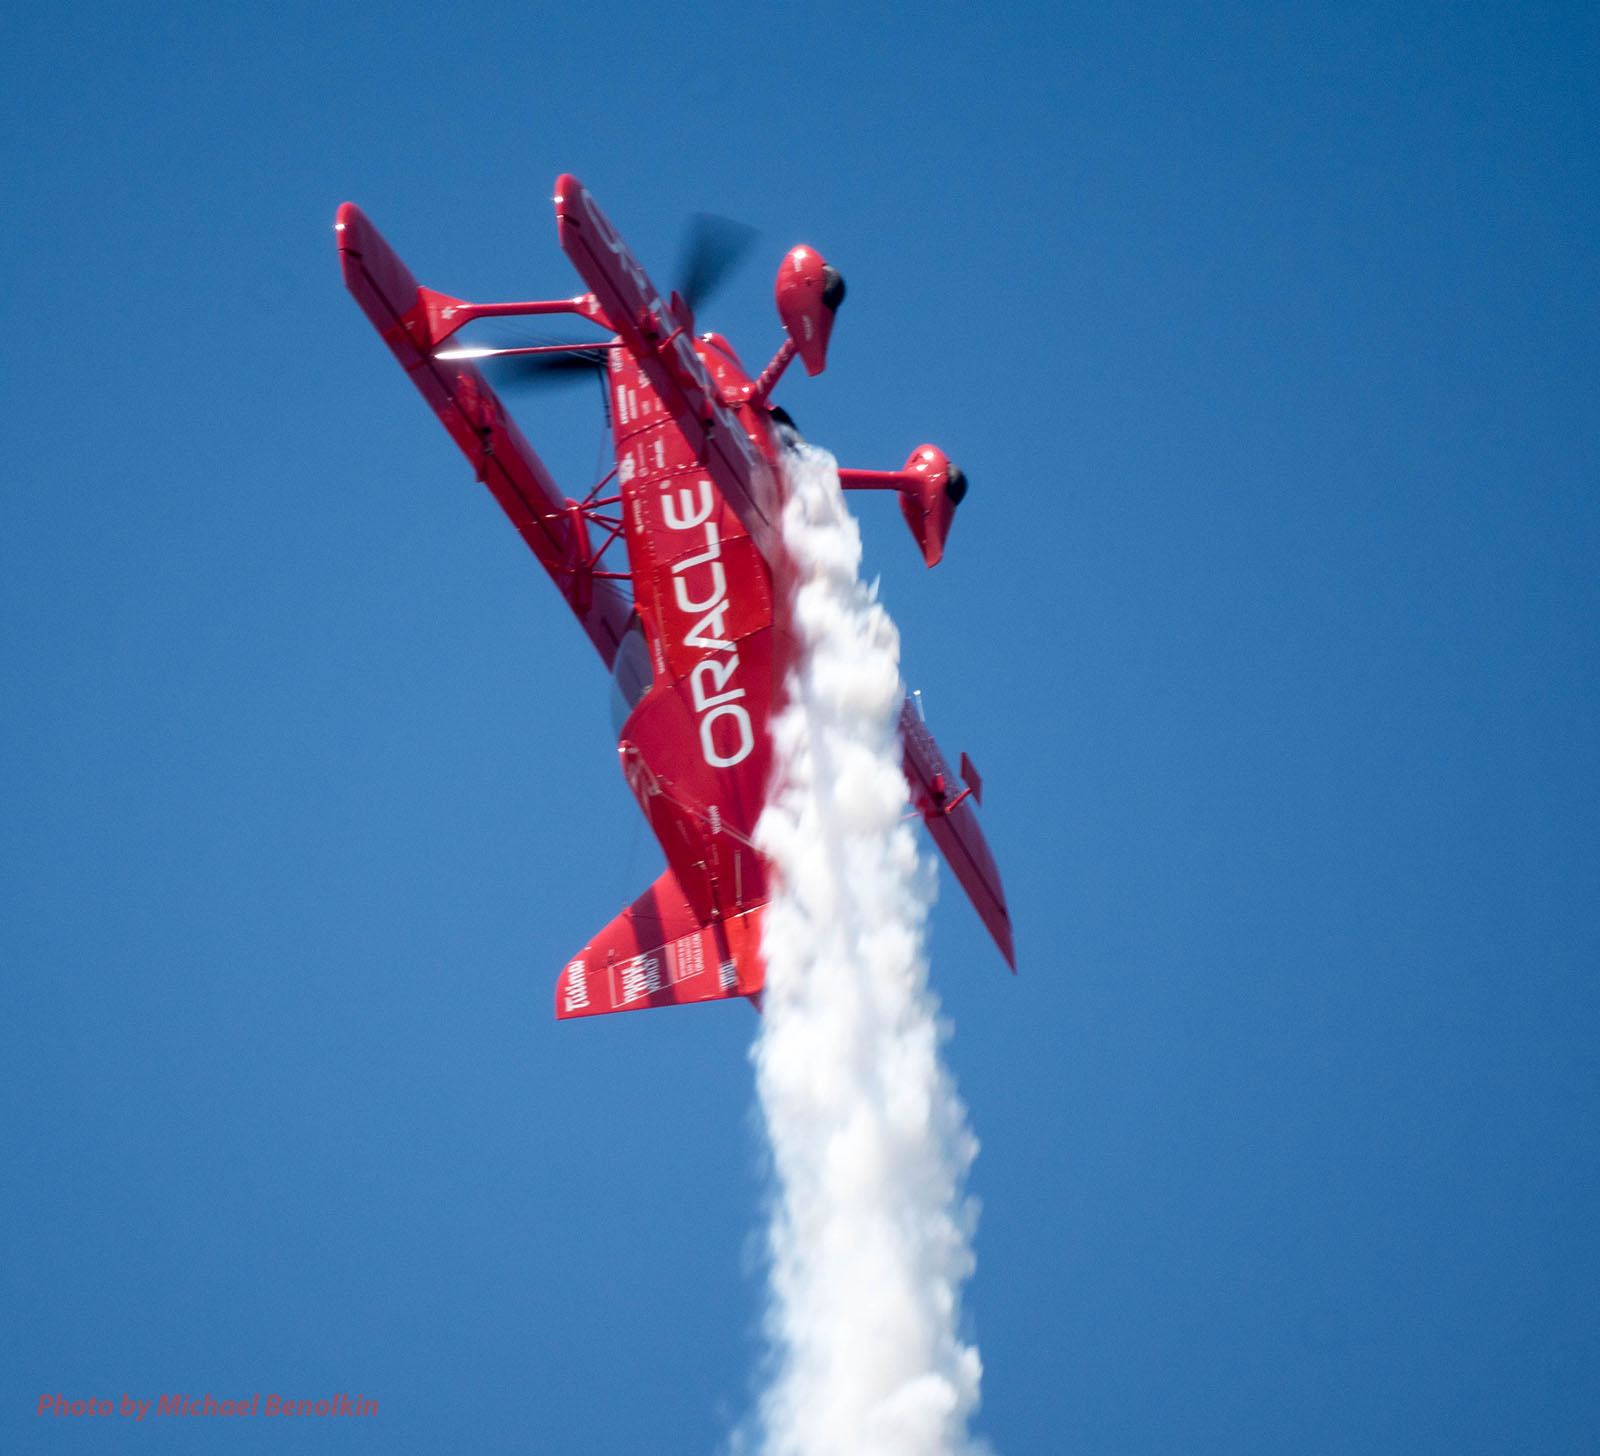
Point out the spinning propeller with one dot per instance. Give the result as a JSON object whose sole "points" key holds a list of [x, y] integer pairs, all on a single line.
{"points": [[713, 248]]}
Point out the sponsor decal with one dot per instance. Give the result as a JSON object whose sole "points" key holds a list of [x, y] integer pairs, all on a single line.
{"points": [[637, 979], [686, 958], [576, 986], [700, 592]]}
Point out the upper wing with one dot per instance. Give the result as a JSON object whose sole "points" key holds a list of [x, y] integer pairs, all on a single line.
{"points": [[954, 825], [471, 411], [660, 340]]}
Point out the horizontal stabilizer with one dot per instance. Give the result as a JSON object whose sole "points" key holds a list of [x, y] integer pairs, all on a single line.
{"points": [[657, 953], [953, 823]]}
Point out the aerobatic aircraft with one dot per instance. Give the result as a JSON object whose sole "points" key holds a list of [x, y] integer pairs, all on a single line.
{"points": [[695, 630]]}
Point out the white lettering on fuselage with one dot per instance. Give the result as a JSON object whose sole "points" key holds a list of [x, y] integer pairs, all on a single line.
{"points": [[700, 591]]}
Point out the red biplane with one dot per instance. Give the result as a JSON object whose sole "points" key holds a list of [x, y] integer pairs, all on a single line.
{"points": [[694, 632]]}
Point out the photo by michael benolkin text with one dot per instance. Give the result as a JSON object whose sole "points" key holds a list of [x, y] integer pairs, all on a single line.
{"points": [[271, 1404]]}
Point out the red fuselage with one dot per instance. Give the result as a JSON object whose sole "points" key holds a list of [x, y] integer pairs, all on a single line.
{"points": [[695, 747]]}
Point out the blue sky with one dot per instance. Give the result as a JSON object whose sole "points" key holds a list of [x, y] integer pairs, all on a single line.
{"points": [[1268, 340]]}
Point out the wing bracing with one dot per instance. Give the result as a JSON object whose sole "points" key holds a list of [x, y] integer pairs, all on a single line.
{"points": [[407, 315]]}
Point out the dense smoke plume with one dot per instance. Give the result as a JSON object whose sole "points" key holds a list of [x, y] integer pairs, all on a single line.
{"points": [[870, 1233]]}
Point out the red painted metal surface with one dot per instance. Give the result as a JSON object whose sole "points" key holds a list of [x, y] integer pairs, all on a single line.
{"points": [[953, 824], [805, 295], [701, 651], [695, 749], [658, 952], [930, 489]]}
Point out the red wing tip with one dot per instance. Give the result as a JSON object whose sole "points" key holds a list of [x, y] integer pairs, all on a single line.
{"points": [[1002, 938], [350, 227], [567, 187]]}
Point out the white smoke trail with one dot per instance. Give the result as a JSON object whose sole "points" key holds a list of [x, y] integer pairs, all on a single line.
{"points": [[870, 1235]]}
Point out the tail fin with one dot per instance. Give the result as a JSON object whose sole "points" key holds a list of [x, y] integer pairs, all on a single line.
{"points": [[656, 953]]}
